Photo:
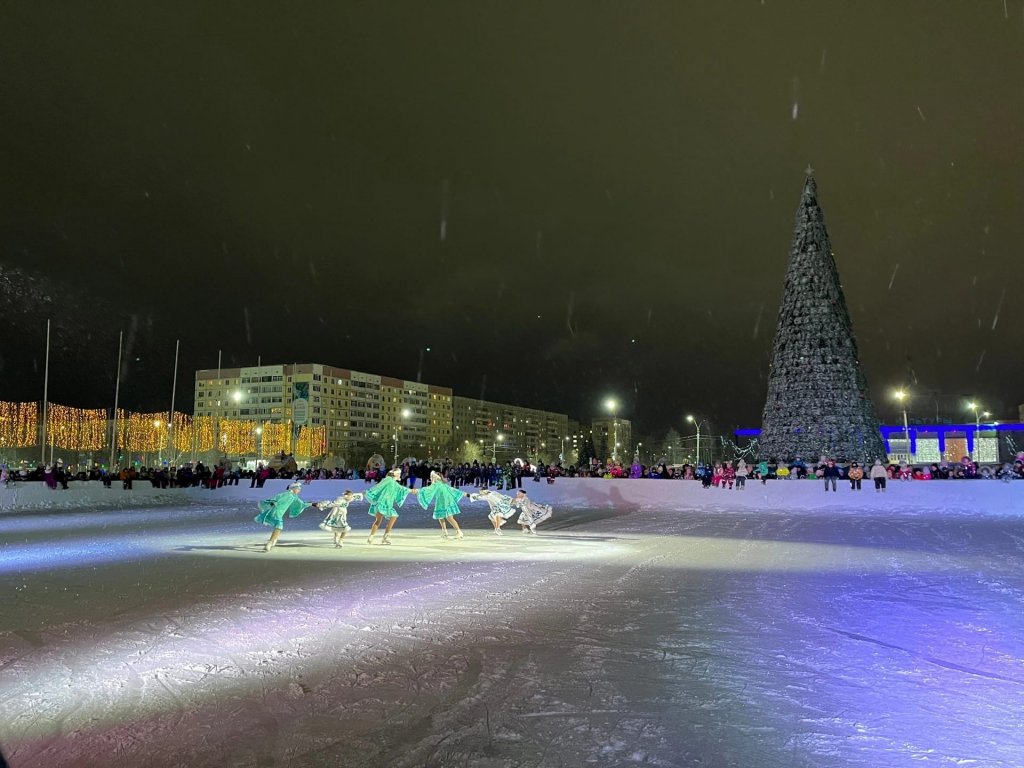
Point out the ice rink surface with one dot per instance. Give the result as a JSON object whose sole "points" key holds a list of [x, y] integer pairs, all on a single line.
{"points": [[649, 623]]}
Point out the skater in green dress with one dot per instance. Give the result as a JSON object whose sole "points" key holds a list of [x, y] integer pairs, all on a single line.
{"points": [[446, 503], [384, 497], [272, 511]]}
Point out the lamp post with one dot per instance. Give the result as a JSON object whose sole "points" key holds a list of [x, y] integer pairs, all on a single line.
{"points": [[259, 445], [494, 447], [901, 396], [159, 443], [561, 449], [406, 413], [978, 416], [612, 405], [973, 405], [696, 423]]}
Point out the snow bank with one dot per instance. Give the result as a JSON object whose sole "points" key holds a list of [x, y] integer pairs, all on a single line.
{"points": [[92, 495], [951, 496], [948, 496]]}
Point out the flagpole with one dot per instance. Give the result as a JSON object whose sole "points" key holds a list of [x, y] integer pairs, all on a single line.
{"points": [[216, 425], [46, 395], [195, 418], [117, 395]]}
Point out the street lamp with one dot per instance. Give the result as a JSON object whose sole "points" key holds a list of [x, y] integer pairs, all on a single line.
{"points": [[494, 447], [973, 405], [696, 423], [406, 413], [259, 444], [561, 449], [159, 443], [901, 396], [612, 405]]}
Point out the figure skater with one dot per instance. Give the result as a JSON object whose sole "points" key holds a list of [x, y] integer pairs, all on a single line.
{"points": [[272, 511], [384, 497], [446, 503], [530, 513], [337, 520], [502, 507]]}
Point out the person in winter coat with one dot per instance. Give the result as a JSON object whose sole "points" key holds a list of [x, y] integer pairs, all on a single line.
{"points": [[879, 474], [831, 474], [741, 475], [856, 474], [728, 475]]}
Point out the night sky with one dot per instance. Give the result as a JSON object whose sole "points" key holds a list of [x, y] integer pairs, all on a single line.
{"points": [[562, 200]]}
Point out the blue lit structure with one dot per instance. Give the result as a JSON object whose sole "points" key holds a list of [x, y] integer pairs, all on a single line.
{"points": [[940, 431]]}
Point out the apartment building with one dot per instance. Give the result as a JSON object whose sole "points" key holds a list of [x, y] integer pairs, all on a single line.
{"points": [[510, 431], [613, 437], [362, 413]]}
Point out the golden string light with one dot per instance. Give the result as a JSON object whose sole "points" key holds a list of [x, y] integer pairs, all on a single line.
{"points": [[19, 424], [141, 432], [312, 441], [82, 429], [201, 435], [76, 429], [275, 438], [238, 438]]}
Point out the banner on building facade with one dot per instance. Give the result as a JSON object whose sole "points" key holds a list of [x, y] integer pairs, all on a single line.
{"points": [[300, 403]]}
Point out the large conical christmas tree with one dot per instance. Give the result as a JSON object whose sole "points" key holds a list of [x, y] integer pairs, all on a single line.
{"points": [[818, 401]]}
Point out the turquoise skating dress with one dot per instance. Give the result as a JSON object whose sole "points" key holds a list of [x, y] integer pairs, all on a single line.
{"points": [[272, 511], [445, 498], [384, 496]]}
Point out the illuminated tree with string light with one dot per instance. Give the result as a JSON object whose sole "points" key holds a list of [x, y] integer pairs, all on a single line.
{"points": [[818, 400]]}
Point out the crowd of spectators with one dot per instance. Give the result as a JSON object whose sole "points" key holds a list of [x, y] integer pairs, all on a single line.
{"points": [[510, 474]]}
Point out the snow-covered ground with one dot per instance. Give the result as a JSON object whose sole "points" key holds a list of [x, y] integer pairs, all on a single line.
{"points": [[650, 623]]}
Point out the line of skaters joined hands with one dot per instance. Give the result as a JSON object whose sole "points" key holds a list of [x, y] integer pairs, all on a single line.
{"points": [[388, 496]]}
